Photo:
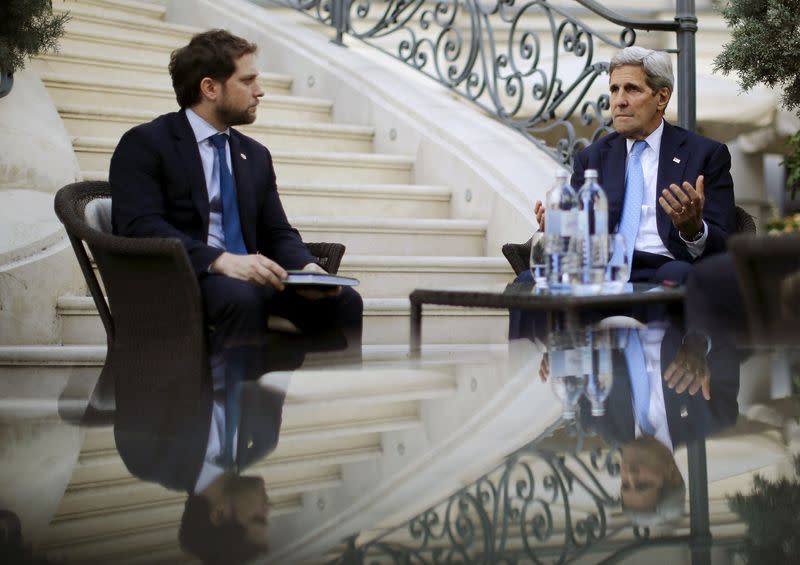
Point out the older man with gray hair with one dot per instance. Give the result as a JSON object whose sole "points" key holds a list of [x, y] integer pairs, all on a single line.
{"points": [[670, 191]]}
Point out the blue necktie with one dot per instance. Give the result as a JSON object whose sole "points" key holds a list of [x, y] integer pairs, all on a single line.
{"points": [[640, 382], [231, 225], [634, 193]]}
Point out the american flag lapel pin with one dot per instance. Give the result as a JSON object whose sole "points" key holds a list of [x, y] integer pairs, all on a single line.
{"points": [[243, 156], [674, 159]]}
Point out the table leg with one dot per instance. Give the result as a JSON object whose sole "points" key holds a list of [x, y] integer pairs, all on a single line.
{"points": [[416, 329]]}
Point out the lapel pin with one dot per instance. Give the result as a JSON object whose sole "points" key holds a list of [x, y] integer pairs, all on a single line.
{"points": [[243, 156], [674, 159]]}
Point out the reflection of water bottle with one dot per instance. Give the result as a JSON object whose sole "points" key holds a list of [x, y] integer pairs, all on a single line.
{"points": [[598, 368], [560, 226], [593, 232], [566, 380]]}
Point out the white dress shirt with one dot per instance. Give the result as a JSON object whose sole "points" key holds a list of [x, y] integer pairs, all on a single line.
{"points": [[203, 131], [647, 239], [651, 339]]}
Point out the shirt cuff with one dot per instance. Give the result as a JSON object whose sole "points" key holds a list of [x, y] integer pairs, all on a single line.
{"points": [[696, 248]]}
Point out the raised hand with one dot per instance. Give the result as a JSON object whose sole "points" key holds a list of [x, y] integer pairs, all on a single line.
{"points": [[684, 205]]}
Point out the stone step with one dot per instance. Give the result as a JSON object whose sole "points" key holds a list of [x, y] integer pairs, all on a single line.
{"points": [[397, 236], [366, 200], [389, 276], [290, 166], [385, 322], [122, 44], [122, 7], [99, 65], [85, 18], [70, 90], [111, 123]]}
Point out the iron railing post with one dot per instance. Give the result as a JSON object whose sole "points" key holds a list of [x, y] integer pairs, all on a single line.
{"points": [[699, 521], [687, 77], [339, 19]]}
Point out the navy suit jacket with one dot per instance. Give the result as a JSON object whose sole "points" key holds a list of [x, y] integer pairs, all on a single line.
{"points": [[683, 157], [159, 190], [688, 416]]}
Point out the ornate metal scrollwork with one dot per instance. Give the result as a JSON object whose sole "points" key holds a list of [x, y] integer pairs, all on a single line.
{"points": [[531, 64], [538, 506]]}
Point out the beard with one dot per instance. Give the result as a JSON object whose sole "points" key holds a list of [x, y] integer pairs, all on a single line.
{"points": [[231, 116]]}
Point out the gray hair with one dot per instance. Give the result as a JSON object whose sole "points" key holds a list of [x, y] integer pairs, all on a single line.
{"points": [[657, 65], [668, 510]]}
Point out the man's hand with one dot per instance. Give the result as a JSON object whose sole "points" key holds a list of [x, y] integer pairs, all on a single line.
{"points": [[256, 269], [538, 210], [684, 206], [321, 292], [689, 370]]}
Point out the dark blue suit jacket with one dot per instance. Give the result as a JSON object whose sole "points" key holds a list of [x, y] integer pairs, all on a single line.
{"points": [[688, 416], [159, 190], [684, 155]]}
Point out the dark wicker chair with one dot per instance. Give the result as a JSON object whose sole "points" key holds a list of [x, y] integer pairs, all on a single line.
{"points": [[768, 269], [152, 310], [519, 254]]}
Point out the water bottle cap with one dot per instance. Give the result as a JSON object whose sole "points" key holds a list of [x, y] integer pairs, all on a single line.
{"points": [[562, 174], [598, 411], [568, 414], [590, 174]]}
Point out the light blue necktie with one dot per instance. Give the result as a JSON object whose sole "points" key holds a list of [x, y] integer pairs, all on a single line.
{"points": [[231, 225], [640, 382], [634, 193]]}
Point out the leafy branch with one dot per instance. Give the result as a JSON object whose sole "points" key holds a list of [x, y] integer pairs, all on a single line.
{"points": [[27, 28]]}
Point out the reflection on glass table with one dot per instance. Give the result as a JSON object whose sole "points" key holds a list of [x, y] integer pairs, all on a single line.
{"points": [[365, 452]]}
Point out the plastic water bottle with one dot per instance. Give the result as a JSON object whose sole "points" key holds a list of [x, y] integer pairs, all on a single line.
{"points": [[598, 369], [567, 380], [560, 227], [592, 233]]}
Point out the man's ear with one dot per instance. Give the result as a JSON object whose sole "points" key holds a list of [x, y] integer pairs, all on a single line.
{"points": [[209, 88], [664, 94]]}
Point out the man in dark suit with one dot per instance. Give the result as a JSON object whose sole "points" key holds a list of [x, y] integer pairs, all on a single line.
{"points": [[189, 175], [683, 199], [670, 191], [182, 444], [690, 392]]}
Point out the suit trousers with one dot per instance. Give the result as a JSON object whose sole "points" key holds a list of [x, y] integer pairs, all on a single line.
{"points": [[236, 314]]}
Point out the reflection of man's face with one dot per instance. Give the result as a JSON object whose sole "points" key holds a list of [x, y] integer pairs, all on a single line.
{"points": [[647, 466], [247, 506]]}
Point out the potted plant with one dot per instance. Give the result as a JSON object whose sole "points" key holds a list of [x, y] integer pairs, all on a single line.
{"points": [[762, 50], [27, 28]]}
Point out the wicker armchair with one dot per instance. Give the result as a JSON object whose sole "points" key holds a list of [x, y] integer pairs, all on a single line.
{"points": [[151, 310], [519, 254]]}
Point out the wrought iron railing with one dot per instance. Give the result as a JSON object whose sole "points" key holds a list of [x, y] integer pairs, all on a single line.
{"points": [[539, 506], [531, 65]]}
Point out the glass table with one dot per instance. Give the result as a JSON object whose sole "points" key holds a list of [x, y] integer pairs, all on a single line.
{"points": [[526, 296], [529, 452]]}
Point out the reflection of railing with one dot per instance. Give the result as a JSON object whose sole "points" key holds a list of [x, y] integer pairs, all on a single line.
{"points": [[529, 64], [539, 506], [511, 514]]}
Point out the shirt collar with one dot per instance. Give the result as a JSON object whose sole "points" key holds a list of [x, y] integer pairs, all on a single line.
{"points": [[653, 140], [201, 128]]}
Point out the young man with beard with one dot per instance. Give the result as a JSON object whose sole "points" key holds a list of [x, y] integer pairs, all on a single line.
{"points": [[190, 175]]}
